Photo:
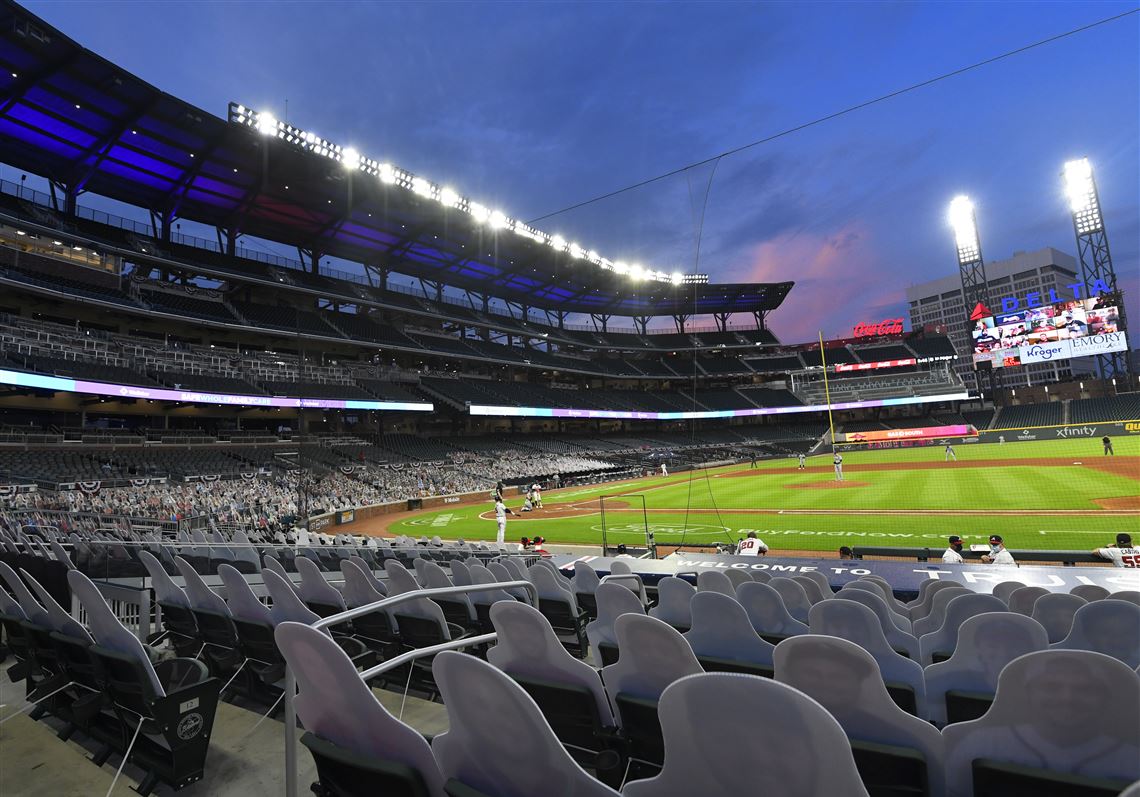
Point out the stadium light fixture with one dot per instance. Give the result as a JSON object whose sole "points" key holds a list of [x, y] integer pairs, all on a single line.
{"points": [[965, 225], [266, 124], [677, 278], [1080, 188]]}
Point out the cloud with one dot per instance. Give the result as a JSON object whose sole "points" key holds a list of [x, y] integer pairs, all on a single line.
{"points": [[838, 281]]}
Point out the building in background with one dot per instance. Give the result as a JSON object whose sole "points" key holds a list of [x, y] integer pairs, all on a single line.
{"points": [[940, 302]]}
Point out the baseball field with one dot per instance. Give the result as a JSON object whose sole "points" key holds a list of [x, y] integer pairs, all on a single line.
{"points": [[1058, 494]]}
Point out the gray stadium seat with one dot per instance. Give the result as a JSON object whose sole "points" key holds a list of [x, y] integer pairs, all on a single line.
{"points": [[715, 581], [673, 600], [357, 745], [287, 606], [1055, 612], [938, 602], [897, 614], [723, 639], [794, 597], [737, 576], [805, 752], [613, 600], [856, 623], [1111, 627], [498, 742], [653, 655], [846, 681], [819, 578], [761, 576], [921, 606], [767, 613], [963, 686], [1006, 588], [939, 644], [1057, 712], [900, 640], [1090, 592], [811, 589], [317, 593], [1022, 600]]}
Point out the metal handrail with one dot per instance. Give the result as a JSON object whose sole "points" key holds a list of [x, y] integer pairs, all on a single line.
{"points": [[403, 658]]}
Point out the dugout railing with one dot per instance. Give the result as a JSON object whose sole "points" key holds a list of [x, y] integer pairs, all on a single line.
{"points": [[1066, 558]]}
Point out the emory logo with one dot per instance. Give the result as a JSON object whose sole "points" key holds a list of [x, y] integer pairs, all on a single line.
{"points": [[1076, 431], [891, 326]]}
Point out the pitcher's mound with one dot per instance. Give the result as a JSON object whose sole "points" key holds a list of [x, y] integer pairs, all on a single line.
{"points": [[831, 485]]}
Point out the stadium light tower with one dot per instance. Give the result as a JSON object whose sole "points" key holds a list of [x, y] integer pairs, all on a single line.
{"points": [[1092, 248], [971, 266]]}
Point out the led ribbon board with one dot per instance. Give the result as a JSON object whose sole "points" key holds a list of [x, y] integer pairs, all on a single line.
{"points": [[918, 433], [63, 385], [553, 412]]}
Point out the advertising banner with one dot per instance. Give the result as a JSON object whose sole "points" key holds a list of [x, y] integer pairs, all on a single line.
{"points": [[1045, 352], [919, 433], [842, 367], [1047, 333], [1099, 344]]}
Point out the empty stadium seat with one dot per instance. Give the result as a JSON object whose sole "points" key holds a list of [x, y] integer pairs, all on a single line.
{"points": [[568, 691], [723, 639], [858, 624], [805, 753], [613, 601], [962, 687], [903, 642], [767, 613], [585, 584], [498, 744], [1004, 589], [1062, 722], [1090, 592], [359, 748], [895, 751], [939, 644], [674, 596], [1022, 600], [1055, 612], [938, 602], [715, 581], [653, 655], [1111, 627]]}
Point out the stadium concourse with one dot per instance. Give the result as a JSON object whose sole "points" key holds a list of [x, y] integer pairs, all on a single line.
{"points": [[247, 538]]}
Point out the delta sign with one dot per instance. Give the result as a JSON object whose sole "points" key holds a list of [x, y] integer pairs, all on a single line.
{"points": [[1039, 299]]}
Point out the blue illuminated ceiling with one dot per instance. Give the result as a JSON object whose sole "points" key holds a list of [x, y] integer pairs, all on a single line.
{"points": [[72, 116]]}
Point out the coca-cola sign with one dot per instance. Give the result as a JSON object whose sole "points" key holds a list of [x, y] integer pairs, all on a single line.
{"points": [[889, 326]]}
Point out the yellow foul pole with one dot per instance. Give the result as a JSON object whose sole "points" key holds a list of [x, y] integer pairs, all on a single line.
{"points": [[826, 390]]}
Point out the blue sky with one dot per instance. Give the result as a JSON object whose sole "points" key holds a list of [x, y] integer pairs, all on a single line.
{"points": [[533, 107]]}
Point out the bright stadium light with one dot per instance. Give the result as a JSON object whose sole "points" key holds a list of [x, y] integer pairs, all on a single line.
{"points": [[1078, 184], [677, 278], [1080, 188], [965, 226], [636, 272], [448, 197], [621, 268], [388, 174]]}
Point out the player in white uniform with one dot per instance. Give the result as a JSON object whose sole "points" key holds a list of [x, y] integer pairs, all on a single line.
{"points": [[838, 466], [950, 455], [1122, 554], [998, 555], [953, 555], [664, 470], [501, 511], [536, 495], [801, 465], [751, 546]]}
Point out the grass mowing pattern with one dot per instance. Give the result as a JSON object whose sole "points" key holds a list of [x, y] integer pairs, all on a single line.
{"points": [[903, 497]]}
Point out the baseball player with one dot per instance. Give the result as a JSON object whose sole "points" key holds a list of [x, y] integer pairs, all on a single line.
{"points": [[803, 459], [664, 470], [751, 546], [1106, 441], [998, 555], [950, 455], [536, 495], [953, 555], [838, 460], [501, 511], [1122, 554]]}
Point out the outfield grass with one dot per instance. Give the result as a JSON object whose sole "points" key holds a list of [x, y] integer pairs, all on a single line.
{"points": [[1032, 505]]}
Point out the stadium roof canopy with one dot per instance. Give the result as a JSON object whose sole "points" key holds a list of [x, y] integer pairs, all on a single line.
{"points": [[88, 125]]}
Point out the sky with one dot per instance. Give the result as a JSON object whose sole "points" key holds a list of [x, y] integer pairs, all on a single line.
{"points": [[533, 107]]}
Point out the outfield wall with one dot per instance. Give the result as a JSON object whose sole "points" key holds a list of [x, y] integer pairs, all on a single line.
{"points": [[1016, 434]]}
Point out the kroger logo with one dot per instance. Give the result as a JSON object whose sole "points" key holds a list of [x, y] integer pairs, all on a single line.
{"points": [[1044, 352]]}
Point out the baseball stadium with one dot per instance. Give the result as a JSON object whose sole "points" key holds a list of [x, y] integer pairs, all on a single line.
{"points": [[318, 473]]}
